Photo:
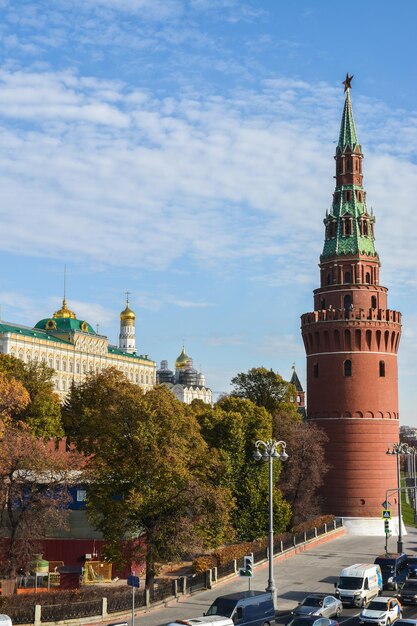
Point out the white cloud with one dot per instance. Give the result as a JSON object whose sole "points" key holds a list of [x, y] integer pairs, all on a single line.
{"points": [[98, 172]]}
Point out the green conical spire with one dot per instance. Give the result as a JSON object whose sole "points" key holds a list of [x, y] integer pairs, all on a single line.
{"points": [[347, 135], [349, 227]]}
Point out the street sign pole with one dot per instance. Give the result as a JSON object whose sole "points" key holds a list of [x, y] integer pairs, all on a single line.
{"points": [[133, 602], [133, 581], [133, 606]]}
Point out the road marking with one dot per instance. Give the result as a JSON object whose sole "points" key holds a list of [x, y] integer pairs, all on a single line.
{"points": [[343, 621]]}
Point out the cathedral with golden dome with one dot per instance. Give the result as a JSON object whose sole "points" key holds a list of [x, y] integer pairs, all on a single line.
{"points": [[185, 383], [73, 349]]}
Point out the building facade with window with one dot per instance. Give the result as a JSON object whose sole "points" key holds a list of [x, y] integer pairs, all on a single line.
{"points": [[351, 340], [74, 349]]}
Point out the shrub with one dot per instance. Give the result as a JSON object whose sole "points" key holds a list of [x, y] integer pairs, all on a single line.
{"points": [[310, 524]]}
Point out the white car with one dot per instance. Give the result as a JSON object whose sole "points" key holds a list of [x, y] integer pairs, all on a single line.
{"points": [[382, 611]]}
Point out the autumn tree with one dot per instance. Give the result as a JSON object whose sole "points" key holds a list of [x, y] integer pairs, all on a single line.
{"points": [[232, 426], [42, 413], [265, 388], [13, 398], [304, 471], [34, 482], [152, 476]]}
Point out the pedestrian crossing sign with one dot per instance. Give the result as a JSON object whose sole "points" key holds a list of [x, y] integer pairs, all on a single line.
{"points": [[386, 514]]}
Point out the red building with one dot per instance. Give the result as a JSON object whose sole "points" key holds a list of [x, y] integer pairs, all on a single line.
{"points": [[351, 340]]}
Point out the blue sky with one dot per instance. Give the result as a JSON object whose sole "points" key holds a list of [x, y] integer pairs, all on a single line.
{"points": [[183, 150]]}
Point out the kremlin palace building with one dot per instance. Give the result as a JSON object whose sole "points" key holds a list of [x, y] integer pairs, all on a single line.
{"points": [[74, 350]]}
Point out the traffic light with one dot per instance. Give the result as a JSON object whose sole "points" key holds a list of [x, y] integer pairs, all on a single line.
{"points": [[386, 524], [248, 565]]}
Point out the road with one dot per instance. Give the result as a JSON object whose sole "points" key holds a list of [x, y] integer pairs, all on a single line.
{"points": [[315, 570]]}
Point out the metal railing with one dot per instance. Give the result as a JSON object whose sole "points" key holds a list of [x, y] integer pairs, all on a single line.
{"points": [[164, 588]]}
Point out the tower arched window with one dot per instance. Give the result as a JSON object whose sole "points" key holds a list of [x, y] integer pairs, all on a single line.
{"points": [[373, 302], [316, 370], [347, 303], [348, 227], [382, 368], [347, 367], [368, 278], [348, 278], [323, 304], [329, 279]]}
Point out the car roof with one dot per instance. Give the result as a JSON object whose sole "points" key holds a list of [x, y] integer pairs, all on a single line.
{"points": [[240, 595], [391, 555], [383, 599]]}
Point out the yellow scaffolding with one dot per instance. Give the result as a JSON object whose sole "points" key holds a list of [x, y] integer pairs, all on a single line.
{"points": [[97, 572]]}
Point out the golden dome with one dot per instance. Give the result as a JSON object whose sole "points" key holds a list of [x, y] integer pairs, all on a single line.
{"points": [[64, 311], [127, 315], [182, 360]]}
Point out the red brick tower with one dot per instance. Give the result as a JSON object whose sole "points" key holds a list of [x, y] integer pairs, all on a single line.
{"points": [[351, 340]]}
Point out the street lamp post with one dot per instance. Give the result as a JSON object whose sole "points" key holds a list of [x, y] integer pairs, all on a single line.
{"points": [[399, 449], [269, 451]]}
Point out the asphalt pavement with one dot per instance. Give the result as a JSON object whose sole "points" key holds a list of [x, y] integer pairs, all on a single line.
{"points": [[313, 571]]}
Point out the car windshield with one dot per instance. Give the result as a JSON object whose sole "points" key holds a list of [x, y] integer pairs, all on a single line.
{"points": [[350, 582], [377, 606], [312, 601], [222, 606]]}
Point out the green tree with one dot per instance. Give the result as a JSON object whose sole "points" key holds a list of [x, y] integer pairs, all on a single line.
{"points": [[43, 412], [265, 388], [154, 483], [232, 426]]}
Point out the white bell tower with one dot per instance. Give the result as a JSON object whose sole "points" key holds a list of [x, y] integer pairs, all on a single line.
{"points": [[127, 337]]}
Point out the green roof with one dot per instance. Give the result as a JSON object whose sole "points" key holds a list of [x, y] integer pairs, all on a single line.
{"points": [[116, 350], [65, 324], [347, 135], [355, 243], [29, 332]]}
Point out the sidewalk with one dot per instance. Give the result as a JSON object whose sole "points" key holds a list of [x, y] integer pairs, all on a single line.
{"points": [[313, 571]]}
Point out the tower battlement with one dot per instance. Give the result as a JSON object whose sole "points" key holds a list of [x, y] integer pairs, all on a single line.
{"points": [[331, 315]]}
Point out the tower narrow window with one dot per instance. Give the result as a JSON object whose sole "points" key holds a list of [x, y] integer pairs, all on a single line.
{"points": [[348, 278], [373, 302], [348, 227], [347, 303], [316, 370], [368, 278], [329, 279], [382, 368], [347, 367], [323, 304]]}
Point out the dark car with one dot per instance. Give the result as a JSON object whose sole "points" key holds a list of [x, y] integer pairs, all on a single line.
{"points": [[246, 608], [319, 605], [310, 620], [408, 593], [412, 566], [405, 622], [394, 569]]}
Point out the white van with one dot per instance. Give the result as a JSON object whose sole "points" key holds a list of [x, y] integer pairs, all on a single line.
{"points": [[359, 583], [210, 620]]}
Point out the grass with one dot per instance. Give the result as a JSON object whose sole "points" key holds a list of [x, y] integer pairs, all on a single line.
{"points": [[407, 509]]}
